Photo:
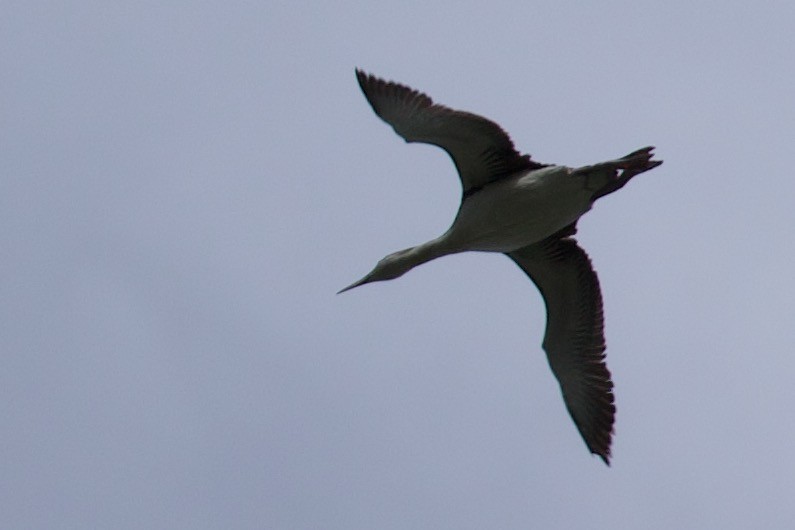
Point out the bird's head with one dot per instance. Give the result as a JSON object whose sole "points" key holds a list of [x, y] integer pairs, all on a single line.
{"points": [[391, 267]]}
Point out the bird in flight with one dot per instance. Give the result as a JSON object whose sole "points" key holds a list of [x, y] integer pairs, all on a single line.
{"points": [[528, 211]]}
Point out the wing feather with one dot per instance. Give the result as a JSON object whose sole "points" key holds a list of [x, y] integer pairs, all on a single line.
{"points": [[481, 151], [574, 339]]}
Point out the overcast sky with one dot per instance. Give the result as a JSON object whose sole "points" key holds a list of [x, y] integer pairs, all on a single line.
{"points": [[185, 185]]}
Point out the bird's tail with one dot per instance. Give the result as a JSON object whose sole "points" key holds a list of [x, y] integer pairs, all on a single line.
{"points": [[610, 176]]}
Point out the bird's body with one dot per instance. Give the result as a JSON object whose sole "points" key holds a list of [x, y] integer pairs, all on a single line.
{"points": [[520, 210], [527, 210]]}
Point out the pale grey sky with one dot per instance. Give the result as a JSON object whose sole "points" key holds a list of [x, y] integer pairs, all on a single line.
{"points": [[184, 187]]}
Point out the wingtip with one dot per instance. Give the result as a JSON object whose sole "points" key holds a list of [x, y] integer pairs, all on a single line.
{"points": [[361, 76]]}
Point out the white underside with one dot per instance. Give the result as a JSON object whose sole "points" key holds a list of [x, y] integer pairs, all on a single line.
{"points": [[519, 211]]}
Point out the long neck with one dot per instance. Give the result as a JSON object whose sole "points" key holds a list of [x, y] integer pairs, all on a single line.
{"points": [[414, 256]]}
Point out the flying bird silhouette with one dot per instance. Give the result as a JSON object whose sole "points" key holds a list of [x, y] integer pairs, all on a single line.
{"points": [[528, 211]]}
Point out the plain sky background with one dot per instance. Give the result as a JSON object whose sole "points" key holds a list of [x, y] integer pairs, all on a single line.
{"points": [[185, 185]]}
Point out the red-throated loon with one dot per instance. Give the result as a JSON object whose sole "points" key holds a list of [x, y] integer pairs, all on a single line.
{"points": [[528, 211]]}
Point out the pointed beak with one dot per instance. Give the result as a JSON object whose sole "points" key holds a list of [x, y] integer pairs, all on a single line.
{"points": [[364, 280]]}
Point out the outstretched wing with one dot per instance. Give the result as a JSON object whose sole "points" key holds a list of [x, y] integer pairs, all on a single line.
{"points": [[574, 339], [481, 150]]}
